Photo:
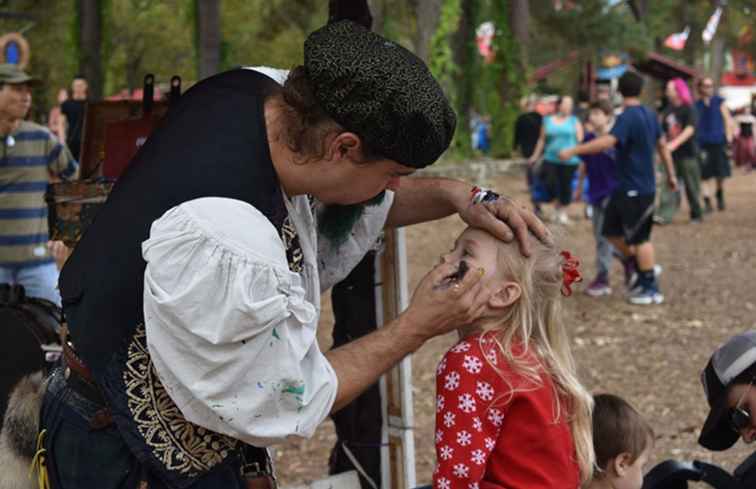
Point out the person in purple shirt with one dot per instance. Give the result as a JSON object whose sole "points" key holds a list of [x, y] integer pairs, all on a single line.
{"points": [[601, 170]]}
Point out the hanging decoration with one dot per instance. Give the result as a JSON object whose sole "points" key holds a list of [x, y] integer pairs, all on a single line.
{"points": [[677, 40], [484, 35], [711, 26]]}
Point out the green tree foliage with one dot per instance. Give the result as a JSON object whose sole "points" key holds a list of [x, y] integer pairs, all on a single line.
{"points": [[506, 81], [269, 32]]}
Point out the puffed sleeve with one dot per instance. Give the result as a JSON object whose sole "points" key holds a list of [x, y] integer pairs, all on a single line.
{"points": [[229, 331]]}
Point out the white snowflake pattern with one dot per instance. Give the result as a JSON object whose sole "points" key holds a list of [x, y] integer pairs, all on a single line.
{"points": [[492, 357], [461, 348], [441, 366], [444, 483], [439, 436], [472, 364], [474, 485], [496, 417], [446, 453], [464, 438], [452, 381], [440, 402], [490, 443], [462, 471], [478, 457], [449, 419], [467, 403], [477, 424], [484, 390]]}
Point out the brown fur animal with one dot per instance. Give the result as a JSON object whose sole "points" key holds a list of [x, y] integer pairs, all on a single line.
{"points": [[18, 438]]}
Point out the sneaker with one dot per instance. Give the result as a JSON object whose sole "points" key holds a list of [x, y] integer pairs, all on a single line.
{"points": [[563, 219], [599, 287], [707, 205], [632, 282], [645, 296]]}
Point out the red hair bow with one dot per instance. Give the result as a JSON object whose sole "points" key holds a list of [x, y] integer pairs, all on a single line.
{"points": [[570, 272]]}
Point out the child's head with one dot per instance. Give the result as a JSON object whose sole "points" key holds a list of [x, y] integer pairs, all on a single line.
{"points": [[630, 84], [622, 440], [599, 114], [525, 307]]}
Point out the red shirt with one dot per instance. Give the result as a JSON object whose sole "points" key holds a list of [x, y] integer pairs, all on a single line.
{"points": [[495, 427]]}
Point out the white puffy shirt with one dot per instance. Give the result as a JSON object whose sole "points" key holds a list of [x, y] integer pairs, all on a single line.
{"points": [[230, 329]]}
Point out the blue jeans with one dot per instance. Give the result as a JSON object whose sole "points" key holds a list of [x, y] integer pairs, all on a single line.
{"points": [[604, 249], [38, 280]]}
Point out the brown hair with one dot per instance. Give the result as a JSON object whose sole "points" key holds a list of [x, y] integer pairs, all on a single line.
{"points": [[306, 123], [618, 428], [602, 105]]}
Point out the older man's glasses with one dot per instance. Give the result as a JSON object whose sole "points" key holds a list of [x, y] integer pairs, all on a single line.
{"points": [[740, 417]]}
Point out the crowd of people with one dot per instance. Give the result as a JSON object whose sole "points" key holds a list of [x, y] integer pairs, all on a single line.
{"points": [[193, 313], [697, 134]]}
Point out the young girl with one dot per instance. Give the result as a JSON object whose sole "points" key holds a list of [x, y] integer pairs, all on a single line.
{"points": [[510, 409], [622, 440]]}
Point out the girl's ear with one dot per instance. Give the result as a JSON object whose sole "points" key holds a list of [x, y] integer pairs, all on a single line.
{"points": [[621, 463], [507, 294]]}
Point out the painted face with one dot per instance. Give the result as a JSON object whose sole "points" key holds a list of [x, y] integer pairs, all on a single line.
{"points": [[15, 100], [633, 475], [480, 250], [743, 396]]}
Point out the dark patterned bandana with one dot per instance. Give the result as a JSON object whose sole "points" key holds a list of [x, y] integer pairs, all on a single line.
{"points": [[380, 91]]}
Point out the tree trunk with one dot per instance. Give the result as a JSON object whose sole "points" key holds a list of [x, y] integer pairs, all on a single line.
{"points": [[90, 40], [519, 21], [427, 13], [208, 37], [377, 9], [465, 53]]}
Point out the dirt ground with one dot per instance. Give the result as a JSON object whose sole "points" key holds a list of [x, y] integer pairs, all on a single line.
{"points": [[652, 356]]}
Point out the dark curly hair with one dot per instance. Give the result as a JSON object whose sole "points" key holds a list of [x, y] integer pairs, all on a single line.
{"points": [[306, 124]]}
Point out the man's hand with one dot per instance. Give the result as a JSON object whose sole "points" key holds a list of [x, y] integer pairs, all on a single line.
{"points": [[507, 220], [566, 154], [578, 195], [437, 309], [59, 252]]}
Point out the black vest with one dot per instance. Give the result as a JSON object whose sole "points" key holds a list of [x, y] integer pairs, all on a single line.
{"points": [[213, 143]]}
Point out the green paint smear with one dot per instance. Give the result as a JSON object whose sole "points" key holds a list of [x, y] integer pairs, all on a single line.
{"points": [[294, 389], [275, 334]]}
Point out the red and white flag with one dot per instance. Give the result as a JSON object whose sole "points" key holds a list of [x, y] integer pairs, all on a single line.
{"points": [[677, 40]]}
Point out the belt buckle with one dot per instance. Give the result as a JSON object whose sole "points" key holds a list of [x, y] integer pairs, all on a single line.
{"points": [[258, 476]]}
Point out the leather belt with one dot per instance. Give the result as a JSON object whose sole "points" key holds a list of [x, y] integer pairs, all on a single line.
{"points": [[79, 378]]}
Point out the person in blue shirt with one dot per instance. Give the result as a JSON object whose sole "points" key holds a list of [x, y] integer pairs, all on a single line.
{"points": [[629, 213], [714, 131]]}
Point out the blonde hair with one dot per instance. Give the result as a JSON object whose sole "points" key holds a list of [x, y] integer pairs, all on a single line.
{"points": [[535, 320]]}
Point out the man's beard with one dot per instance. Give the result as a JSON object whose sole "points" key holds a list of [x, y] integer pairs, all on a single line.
{"points": [[335, 222]]}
